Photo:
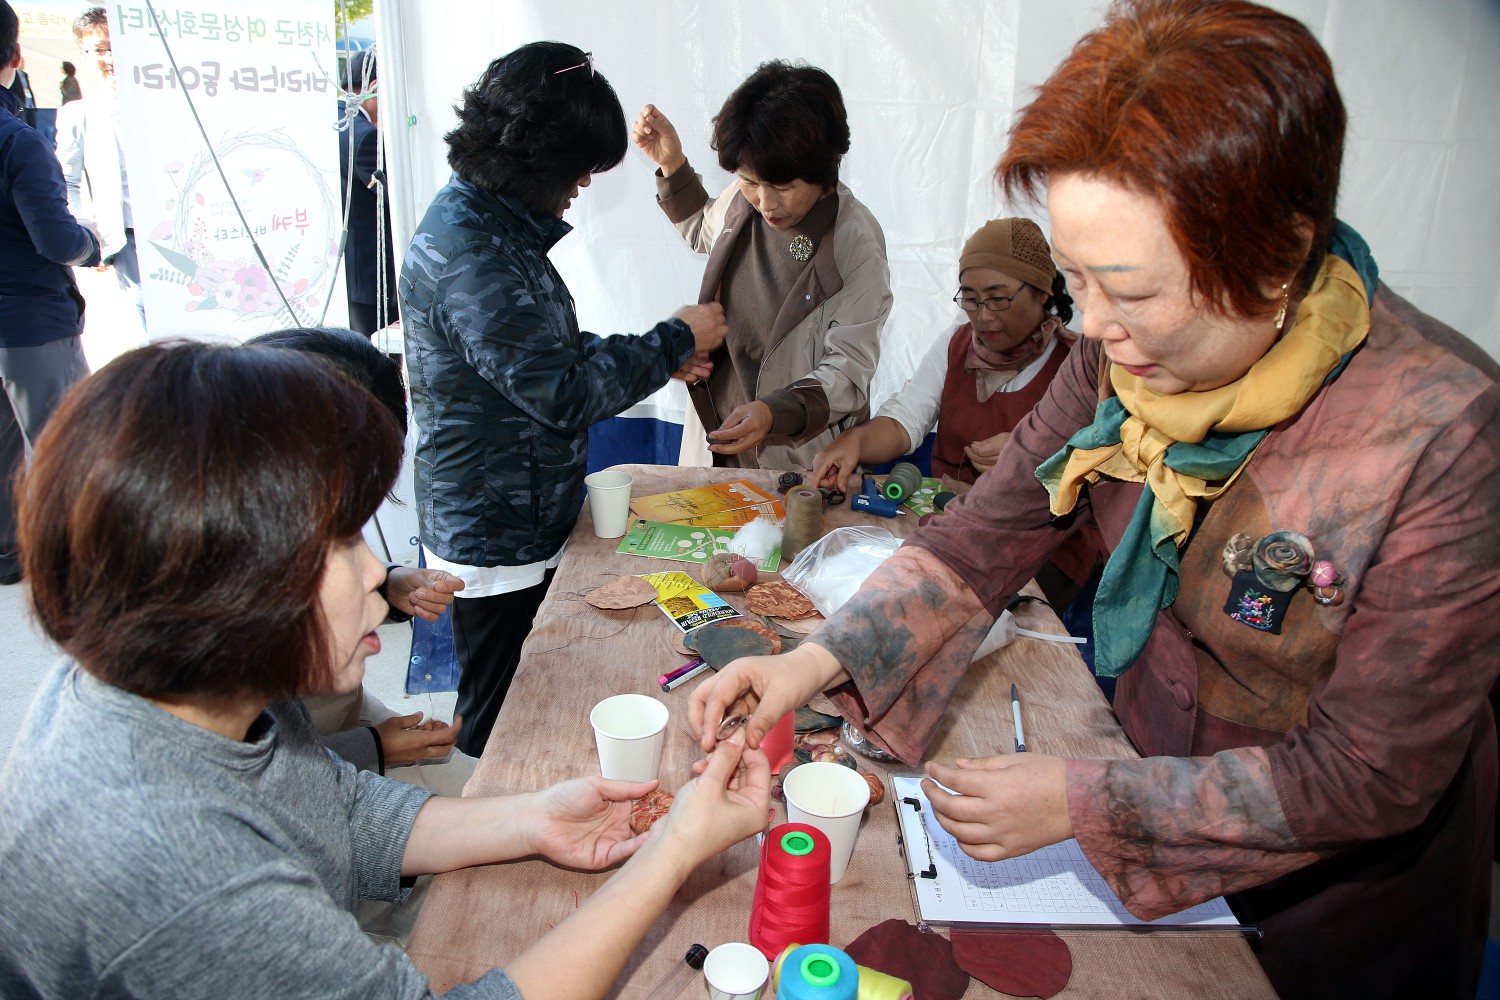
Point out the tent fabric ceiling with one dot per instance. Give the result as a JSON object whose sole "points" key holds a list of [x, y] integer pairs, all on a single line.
{"points": [[931, 89]]}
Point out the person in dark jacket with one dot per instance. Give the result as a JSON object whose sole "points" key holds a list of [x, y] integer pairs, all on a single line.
{"points": [[41, 310], [68, 87], [367, 250], [504, 385]]}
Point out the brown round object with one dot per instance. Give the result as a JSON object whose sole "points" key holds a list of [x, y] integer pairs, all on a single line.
{"points": [[745, 570], [718, 573], [778, 599], [621, 592], [877, 787], [648, 809]]}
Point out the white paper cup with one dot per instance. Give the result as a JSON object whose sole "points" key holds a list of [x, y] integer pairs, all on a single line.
{"points": [[629, 730], [735, 971], [832, 798], [609, 502]]}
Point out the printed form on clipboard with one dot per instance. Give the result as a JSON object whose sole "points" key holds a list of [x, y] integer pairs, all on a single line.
{"points": [[1055, 886]]}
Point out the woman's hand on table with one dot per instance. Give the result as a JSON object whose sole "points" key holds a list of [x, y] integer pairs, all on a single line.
{"points": [[695, 369], [656, 136], [425, 593], [724, 804], [706, 320], [1006, 806], [585, 823], [406, 739], [745, 427], [764, 687], [833, 463], [984, 454]]}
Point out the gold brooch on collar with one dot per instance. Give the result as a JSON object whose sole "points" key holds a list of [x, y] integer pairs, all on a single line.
{"points": [[801, 248]]}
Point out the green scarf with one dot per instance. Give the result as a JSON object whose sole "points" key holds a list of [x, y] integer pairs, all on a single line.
{"points": [[1194, 444]]}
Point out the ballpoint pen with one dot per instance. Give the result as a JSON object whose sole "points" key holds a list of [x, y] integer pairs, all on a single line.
{"points": [[680, 673], [1015, 713]]}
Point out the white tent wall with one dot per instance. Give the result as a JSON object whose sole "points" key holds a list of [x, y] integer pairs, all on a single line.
{"points": [[931, 89]]}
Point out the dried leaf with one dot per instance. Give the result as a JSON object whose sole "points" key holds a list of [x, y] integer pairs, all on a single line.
{"points": [[724, 642], [621, 592], [1023, 963], [779, 599], [802, 626]]}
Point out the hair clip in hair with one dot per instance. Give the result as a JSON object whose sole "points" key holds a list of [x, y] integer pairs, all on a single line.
{"points": [[588, 61]]}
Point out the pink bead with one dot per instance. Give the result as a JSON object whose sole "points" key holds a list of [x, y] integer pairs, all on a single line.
{"points": [[1324, 574]]}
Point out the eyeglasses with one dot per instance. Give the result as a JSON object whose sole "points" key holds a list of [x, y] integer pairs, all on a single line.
{"points": [[995, 303], [98, 50], [588, 61]]}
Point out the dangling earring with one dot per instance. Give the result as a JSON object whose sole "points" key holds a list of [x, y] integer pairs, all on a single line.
{"points": [[1286, 296]]}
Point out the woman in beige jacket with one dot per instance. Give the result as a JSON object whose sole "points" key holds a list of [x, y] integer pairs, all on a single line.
{"points": [[797, 262]]}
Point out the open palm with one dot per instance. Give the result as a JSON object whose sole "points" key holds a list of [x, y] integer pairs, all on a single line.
{"points": [[585, 823]]}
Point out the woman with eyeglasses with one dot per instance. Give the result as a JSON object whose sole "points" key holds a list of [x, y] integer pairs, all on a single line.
{"points": [[980, 381], [796, 260]]}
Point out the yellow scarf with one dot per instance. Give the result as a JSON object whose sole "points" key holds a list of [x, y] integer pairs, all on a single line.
{"points": [[1332, 320]]}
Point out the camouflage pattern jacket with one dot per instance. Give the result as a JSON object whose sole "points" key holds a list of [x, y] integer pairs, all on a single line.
{"points": [[504, 386]]}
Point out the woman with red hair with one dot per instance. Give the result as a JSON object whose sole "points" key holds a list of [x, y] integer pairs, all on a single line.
{"points": [[1298, 475]]}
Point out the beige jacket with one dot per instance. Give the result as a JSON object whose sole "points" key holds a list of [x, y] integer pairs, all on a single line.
{"points": [[827, 331]]}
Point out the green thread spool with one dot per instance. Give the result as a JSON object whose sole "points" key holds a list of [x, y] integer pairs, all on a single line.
{"points": [[873, 985], [904, 480], [797, 843]]}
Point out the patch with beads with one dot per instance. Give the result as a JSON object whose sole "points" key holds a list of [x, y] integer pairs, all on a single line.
{"points": [[1254, 604]]}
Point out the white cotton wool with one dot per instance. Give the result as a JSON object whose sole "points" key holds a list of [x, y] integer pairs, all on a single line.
{"points": [[755, 540]]}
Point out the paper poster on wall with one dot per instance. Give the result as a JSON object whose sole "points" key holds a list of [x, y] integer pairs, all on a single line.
{"points": [[264, 86]]}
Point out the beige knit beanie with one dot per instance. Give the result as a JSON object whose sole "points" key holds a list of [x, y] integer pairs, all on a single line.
{"points": [[1011, 246]]}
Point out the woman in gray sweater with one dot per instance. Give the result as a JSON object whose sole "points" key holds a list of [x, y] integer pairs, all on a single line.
{"points": [[173, 827]]}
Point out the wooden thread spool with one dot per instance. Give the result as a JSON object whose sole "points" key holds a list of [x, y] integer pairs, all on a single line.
{"points": [[804, 521]]}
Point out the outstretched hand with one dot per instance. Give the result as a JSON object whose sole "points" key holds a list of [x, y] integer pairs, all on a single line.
{"points": [[765, 687], [984, 454], [656, 136], [695, 369], [425, 593], [406, 739], [746, 427], [585, 823], [833, 463], [727, 802]]}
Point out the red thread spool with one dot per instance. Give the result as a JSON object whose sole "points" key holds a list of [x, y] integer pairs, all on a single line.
{"points": [[792, 890]]}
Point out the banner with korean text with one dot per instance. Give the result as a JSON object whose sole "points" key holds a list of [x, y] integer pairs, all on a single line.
{"points": [[237, 219]]}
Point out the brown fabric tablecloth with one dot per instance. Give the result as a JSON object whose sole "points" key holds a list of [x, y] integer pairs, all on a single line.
{"points": [[577, 655]]}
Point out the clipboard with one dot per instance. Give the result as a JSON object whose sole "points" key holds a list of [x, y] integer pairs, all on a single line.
{"points": [[1053, 887]]}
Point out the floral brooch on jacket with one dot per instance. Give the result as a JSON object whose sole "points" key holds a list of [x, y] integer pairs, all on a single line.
{"points": [[1266, 573]]}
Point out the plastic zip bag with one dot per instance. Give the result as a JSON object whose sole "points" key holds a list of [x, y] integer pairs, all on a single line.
{"points": [[830, 570]]}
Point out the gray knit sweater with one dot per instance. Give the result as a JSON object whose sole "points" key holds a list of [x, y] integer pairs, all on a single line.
{"points": [[142, 856]]}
